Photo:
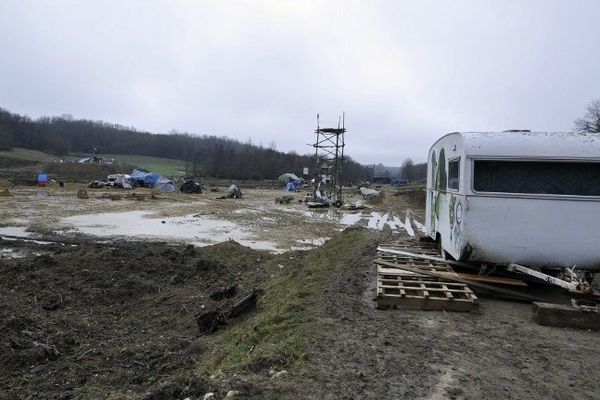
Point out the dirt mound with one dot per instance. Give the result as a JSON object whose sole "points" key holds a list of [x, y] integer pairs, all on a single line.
{"points": [[95, 321], [5, 193]]}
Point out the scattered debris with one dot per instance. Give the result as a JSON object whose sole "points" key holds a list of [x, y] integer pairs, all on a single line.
{"points": [[224, 293], [233, 192], [122, 181], [284, 199], [191, 186], [565, 316], [215, 318], [355, 206], [82, 194], [369, 194]]}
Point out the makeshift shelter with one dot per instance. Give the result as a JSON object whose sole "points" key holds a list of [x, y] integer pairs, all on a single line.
{"points": [[191, 186], [289, 177], [164, 184], [151, 180], [143, 178], [234, 192]]}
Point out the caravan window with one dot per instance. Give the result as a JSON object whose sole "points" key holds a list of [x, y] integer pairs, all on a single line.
{"points": [[453, 174], [537, 177]]}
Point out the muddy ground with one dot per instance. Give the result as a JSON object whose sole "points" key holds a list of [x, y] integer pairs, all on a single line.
{"points": [[256, 220], [496, 352], [109, 318], [94, 321]]}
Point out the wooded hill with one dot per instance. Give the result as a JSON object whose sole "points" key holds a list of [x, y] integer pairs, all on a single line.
{"points": [[205, 155]]}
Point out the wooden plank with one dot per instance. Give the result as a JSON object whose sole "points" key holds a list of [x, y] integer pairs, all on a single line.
{"points": [[492, 279], [448, 292], [425, 304], [425, 257], [428, 289]]}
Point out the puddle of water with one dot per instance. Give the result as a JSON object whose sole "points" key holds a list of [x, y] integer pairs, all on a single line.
{"points": [[195, 229], [18, 231], [313, 242]]}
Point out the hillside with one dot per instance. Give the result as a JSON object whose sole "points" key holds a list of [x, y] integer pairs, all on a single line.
{"points": [[212, 156], [164, 166]]}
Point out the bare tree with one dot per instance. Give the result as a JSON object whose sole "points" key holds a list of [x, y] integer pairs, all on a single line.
{"points": [[591, 120], [408, 169]]}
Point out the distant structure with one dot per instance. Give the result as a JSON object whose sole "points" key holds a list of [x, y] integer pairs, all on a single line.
{"points": [[329, 157]]}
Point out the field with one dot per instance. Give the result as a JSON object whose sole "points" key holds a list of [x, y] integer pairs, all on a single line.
{"points": [[28, 155], [164, 166], [101, 298]]}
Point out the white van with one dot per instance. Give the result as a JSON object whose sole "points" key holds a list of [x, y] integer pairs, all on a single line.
{"points": [[122, 181], [530, 198]]}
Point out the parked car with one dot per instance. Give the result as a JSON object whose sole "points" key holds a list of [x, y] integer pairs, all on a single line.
{"points": [[96, 185]]}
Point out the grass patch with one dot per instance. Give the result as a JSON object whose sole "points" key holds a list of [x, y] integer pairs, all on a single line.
{"points": [[28, 155], [278, 334], [164, 166]]}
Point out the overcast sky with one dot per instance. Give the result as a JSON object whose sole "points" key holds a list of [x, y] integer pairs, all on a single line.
{"points": [[405, 72]]}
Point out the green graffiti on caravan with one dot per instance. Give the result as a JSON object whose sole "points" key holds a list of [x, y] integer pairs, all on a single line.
{"points": [[433, 196], [440, 180]]}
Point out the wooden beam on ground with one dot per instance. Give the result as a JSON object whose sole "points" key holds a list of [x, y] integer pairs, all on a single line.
{"points": [[488, 279]]}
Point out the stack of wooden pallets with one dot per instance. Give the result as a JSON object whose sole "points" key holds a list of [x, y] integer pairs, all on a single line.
{"points": [[405, 281]]}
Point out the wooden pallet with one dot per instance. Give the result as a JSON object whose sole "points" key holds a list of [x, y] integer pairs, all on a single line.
{"points": [[409, 290]]}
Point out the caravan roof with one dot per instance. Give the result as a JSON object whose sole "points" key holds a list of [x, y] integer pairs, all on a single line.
{"points": [[557, 145]]}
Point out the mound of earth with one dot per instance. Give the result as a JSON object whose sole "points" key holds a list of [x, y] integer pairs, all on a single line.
{"points": [[113, 320]]}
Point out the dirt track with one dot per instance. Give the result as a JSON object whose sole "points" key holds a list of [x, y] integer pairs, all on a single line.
{"points": [[497, 352]]}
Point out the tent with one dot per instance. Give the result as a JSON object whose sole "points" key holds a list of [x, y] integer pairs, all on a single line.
{"points": [[164, 184], [289, 177], [144, 178], [151, 180]]}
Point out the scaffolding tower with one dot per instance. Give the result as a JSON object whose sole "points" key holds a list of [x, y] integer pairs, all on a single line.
{"points": [[329, 158]]}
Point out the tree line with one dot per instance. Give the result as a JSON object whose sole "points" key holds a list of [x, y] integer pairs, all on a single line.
{"points": [[205, 155]]}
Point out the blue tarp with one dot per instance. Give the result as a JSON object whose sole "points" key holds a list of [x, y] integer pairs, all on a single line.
{"points": [[292, 186], [400, 181], [153, 180]]}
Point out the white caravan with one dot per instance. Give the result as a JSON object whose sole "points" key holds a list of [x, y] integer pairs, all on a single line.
{"points": [[530, 198]]}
